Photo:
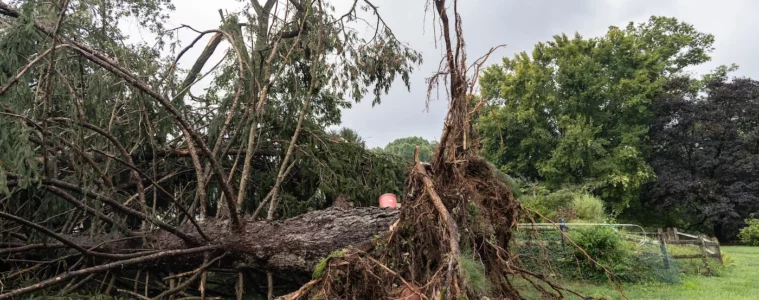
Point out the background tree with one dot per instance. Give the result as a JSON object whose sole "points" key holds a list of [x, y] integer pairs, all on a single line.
{"points": [[706, 149], [348, 135], [404, 148], [576, 111]]}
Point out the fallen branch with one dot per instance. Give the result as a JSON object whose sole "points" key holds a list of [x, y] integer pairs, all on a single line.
{"points": [[114, 68], [58, 237], [102, 268], [190, 280]]}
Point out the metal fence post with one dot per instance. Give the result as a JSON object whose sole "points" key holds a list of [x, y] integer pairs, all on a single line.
{"points": [[563, 227], [663, 246]]}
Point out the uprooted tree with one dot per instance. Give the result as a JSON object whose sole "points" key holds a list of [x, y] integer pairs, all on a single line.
{"points": [[117, 179]]}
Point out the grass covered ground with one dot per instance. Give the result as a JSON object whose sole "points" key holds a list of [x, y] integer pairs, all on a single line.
{"points": [[740, 280]]}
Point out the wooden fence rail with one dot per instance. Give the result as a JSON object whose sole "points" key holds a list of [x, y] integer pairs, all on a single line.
{"points": [[708, 248]]}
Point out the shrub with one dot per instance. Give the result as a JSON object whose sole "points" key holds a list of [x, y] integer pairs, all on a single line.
{"points": [[535, 204], [513, 184], [749, 235], [601, 243], [549, 204], [606, 247], [516, 188], [474, 272], [626, 260], [589, 208]]}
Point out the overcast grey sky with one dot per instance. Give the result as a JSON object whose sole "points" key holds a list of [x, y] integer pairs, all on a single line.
{"points": [[518, 23]]}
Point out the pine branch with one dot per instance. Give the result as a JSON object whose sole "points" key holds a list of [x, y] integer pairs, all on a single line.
{"points": [[118, 206], [114, 67], [102, 268]]}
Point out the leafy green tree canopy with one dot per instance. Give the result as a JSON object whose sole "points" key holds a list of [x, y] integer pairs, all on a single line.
{"points": [[576, 110], [405, 147]]}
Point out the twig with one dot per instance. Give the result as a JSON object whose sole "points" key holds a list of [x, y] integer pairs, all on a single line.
{"points": [[477, 65], [78, 284], [260, 105], [173, 199], [85, 208], [115, 204], [109, 288], [25, 68], [21, 272], [549, 282], [31, 247], [196, 273], [138, 295], [58, 237], [196, 270], [101, 268], [301, 291], [133, 172], [47, 83], [283, 168], [411, 287], [271, 194], [184, 88]]}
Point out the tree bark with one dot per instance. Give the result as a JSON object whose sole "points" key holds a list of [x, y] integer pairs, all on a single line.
{"points": [[292, 245]]}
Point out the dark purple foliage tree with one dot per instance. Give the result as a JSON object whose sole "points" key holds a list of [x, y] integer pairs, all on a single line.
{"points": [[706, 153]]}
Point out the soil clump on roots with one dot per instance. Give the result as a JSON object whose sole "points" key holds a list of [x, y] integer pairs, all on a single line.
{"points": [[415, 258]]}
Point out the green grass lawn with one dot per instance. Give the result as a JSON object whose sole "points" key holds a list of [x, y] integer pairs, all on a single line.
{"points": [[738, 281]]}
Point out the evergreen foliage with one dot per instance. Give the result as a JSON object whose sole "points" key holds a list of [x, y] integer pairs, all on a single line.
{"points": [[89, 116], [81, 91]]}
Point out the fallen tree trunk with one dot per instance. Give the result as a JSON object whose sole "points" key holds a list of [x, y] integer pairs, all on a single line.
{"points": [[292, 245]]}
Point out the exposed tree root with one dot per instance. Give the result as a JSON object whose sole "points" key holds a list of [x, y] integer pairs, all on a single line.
{"points": [[458, 203]]}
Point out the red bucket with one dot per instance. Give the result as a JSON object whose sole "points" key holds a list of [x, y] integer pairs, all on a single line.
{"points": [[388, 200]]}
